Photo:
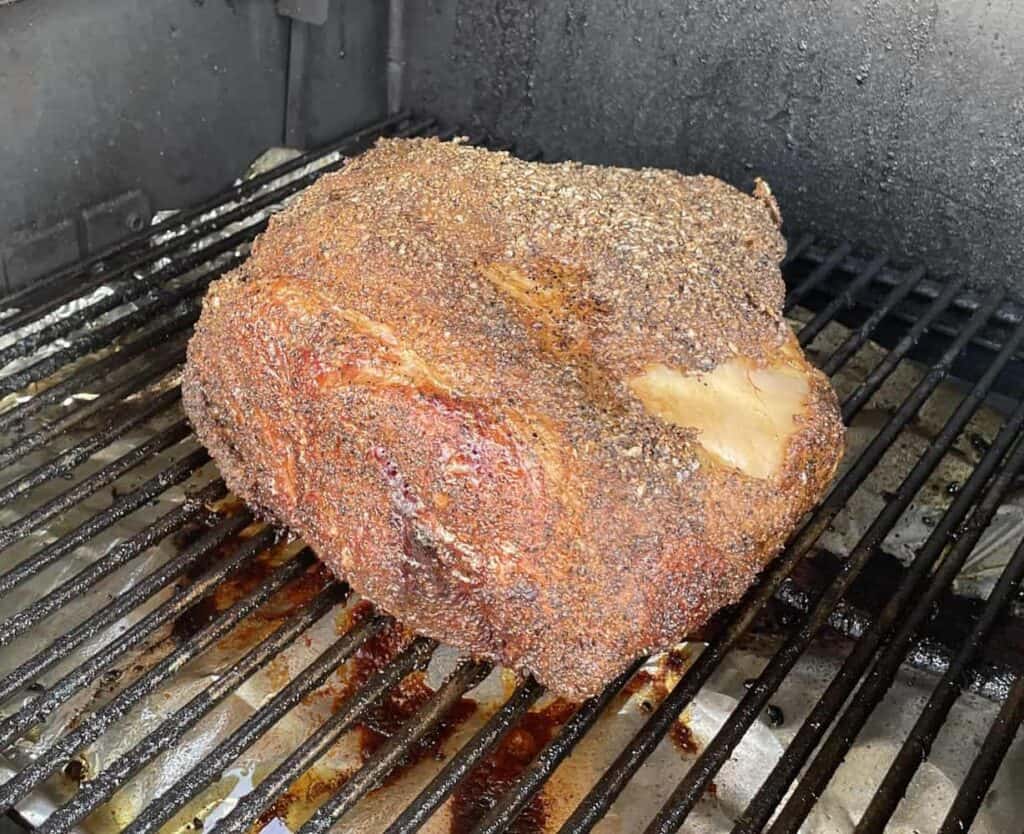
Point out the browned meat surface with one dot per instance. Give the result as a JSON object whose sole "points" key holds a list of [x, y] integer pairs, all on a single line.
{"points": [[549, 414]]}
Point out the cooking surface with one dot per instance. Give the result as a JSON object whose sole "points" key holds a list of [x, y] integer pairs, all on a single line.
{"points": [[155, 637]]}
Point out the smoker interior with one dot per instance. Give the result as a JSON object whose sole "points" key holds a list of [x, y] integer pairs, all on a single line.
{"points": [[121, 466]]}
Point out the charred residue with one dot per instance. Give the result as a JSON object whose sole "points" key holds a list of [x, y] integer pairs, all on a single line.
{"points": [[481, 789]]}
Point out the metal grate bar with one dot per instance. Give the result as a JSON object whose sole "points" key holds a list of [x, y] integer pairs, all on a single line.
{"points": [[918, 744], [104, 367], [458, 767], [797, 249], [768, 797], [179, 301], [174, 727], [150, 292], [991, 677], [514, 801], [241, 213], [249, 808], [610, 785], [818, 274], [187, 311], [715, 754], [125, 504], [1011, 314], [855, 341], [865, 391], [152, 286], [129, 289], [98, 722], [986, 764], [112, 397], [948, 330], [80, 452], [466, 676], [42, 705], [84, 674], [831, 754], [845, 299], [181, 219], [210, 768], [99, 479], [121, 554]]}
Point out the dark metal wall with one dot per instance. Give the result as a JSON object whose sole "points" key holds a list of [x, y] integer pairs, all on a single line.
{"points": [[113, 109], [897, 122]]}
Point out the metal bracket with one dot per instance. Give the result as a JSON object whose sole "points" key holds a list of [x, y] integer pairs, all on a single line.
{"points": [[303, 14], [110, 221], [305, 11], [395, 55], [30, 253], [34, 252]]}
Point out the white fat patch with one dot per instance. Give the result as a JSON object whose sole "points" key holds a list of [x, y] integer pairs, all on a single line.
{"points": [[744, 414]]}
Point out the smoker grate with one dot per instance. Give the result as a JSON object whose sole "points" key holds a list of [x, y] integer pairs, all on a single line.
{"points": [[117, 324]]}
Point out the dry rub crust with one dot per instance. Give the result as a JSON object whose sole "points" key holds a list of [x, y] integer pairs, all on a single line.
{"points": [[422, 370]]}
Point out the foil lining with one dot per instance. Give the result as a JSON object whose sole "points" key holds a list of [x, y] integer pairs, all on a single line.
{"points": [[997, 543]]}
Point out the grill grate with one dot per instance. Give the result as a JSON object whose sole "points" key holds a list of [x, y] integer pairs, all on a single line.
{"points": [[144, 296]]}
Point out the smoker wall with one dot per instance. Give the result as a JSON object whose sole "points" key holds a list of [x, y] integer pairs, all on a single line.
{"points": [[112, 109], [900, 123], [893, 121]]}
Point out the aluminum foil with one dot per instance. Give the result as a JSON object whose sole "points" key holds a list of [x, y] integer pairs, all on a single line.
{"points": [[997, 543]]}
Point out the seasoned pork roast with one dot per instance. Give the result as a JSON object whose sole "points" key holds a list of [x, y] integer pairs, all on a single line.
{"points": [[548, 414]]}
